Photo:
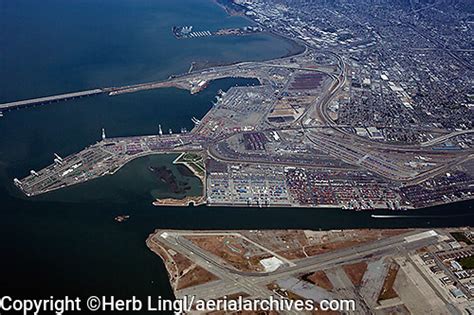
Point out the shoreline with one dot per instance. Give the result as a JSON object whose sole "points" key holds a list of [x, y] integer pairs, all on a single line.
{"points": [[228, 10], [226, 257], [187, 200], [177, 161], [202, 199], [184, 202], [196, 89], [296, 47]]}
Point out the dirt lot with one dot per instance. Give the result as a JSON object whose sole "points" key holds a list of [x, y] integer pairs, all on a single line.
{"points": [[182, 272], [355, 272], [294, 244], [347, 239], [320, 279], [193, 276], [387, 290], [232, 250]]}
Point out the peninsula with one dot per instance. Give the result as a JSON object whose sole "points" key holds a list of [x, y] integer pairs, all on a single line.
{"points": [[322, 129]]}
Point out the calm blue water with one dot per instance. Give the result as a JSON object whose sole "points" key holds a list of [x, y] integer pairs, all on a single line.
{"points": [[53, 46], [67, 242]]}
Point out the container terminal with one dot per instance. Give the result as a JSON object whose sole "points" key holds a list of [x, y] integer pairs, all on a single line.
{"points": [[278, 144]]}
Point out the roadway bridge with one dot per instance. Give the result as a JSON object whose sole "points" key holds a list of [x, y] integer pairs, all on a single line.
{"points": [[48, 99]]}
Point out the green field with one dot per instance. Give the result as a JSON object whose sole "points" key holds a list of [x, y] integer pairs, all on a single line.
{"points": [[467, 263], [460, 237], [194, 161]]}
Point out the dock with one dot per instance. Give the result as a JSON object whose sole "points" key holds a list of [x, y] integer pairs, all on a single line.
{"points": [[104, 158], [48, 99]]}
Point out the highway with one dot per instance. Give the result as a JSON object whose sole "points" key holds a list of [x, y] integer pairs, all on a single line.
{"points": [[440, 169], [443, 138]]}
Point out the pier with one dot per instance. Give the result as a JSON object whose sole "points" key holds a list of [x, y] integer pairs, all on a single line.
{"points": [[48, 99]]}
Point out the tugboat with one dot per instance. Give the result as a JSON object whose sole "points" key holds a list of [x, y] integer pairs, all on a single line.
{"points": [[121, 218]]}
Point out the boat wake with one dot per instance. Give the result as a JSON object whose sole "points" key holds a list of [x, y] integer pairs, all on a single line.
{"points": [[383, 216]]}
